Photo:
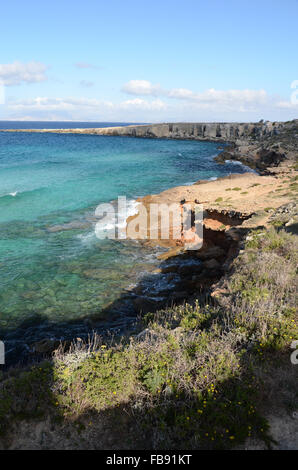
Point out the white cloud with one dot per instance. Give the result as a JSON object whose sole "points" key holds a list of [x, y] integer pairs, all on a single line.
{"points": [[143, 104], [226, 98], [62, 103], [220, 96], [231, 104], [141, 87], [181, 93], [18, 72], [287, 105], [177, 104], [2, 92], [71, 108], [44, 103]]}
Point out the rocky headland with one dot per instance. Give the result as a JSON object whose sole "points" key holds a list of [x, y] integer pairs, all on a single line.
{"points": [[259, 145], [207, 364]]}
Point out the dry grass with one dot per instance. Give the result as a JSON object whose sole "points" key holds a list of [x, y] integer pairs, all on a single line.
{"points": [[198, 376]]}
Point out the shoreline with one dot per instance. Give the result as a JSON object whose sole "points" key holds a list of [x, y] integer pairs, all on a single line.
{"points": [[260, 145], [187, 361], [229, 212], [104, 323]]}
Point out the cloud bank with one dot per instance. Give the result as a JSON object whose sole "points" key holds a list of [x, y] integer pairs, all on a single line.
{"points": [[19, 72], [229, 98], [151, 103], [142, 87]]}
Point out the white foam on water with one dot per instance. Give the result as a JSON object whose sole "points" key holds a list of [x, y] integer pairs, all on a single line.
{"points": [[86, 238], [130, 210], [10, 194], [114, 221], [234, 162]]}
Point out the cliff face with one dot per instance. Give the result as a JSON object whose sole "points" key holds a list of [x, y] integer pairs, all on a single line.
{"points": [[227, 132], [259, 145], [221, 131]]}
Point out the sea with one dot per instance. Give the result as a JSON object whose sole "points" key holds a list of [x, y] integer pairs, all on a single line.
{"points": [[57, 279]]}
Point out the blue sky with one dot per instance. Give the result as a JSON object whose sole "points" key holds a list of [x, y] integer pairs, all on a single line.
{"points": [[152, 61]]}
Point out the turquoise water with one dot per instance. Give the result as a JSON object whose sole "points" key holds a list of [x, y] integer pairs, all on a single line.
{"points": [[54, 273]]}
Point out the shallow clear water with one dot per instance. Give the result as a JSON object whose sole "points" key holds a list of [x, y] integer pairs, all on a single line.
{"points": [[52, 276]]}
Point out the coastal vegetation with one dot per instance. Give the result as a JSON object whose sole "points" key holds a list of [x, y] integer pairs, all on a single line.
{"points": [[199, 375], [209, 369]]}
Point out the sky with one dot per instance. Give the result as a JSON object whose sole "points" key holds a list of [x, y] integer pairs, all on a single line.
{"points": [[158, 61]]}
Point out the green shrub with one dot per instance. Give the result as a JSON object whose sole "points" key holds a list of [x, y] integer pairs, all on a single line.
{"points": [[191, 381]]}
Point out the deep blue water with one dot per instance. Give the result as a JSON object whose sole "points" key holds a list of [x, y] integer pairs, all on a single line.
{"points": [[52, 273], [57, 124]]}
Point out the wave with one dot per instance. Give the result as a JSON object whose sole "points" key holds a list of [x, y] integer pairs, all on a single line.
{"points": [[19, 194], [86, 238], [8, 196], [237, 162], [234, 162], [116, 220]]}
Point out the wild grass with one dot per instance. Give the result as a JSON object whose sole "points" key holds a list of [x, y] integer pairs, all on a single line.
{"points": [[196, 375]]}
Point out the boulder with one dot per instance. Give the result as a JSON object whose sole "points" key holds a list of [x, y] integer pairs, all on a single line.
{"points": [[147, 333], [145, 305], [46, 346], [212, 252], [211, 264]]}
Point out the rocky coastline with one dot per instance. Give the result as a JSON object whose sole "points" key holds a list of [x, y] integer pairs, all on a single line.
{"points": [[206, 364], [233, 206], [260, 145]]}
